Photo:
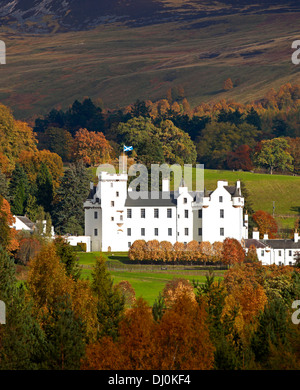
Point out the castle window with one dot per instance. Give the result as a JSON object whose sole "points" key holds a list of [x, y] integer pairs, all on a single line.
{"points": [[184, 200], [221, 213], [129, 213], [142, 231], [200, 213], [169, 213], [290, 253], [143, 213], [220, 199], [156, 231], [95, 232], [186, 213], [129, 244], [112, 203], [279, 253], [128, 231], [117, 194], [169, 231], [156, 213], [262, 253], [112, 218], [95, 214], [121, 217], [199, 231], [186, 231], [222, 232]]}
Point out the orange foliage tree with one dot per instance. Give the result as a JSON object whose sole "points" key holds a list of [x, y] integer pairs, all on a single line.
{"points": [[266, 223], [90, 147], [31, 162], [233, 252], [8, 234], [137, 250], [179, 341]]}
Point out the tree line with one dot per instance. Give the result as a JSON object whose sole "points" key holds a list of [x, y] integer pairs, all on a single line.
{"points": [[263, 134]]}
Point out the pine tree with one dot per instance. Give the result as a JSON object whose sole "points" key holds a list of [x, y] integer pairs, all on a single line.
{"points": [[4, 191], [31, 210], [21, 339], [111, 302], [65, 337], [44, 188], [18, 190], [68, 257], [68, 215]]}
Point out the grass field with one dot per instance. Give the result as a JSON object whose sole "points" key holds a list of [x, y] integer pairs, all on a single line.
{"points": [[146, 280], [121, 64]]}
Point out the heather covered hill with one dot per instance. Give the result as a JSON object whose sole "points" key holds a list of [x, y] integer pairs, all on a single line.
{"points": [[122, 51]]}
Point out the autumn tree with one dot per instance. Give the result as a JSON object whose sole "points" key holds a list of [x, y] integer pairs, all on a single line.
{"points": [[16, 136], [179, 249], [31, 162], [206, 251], [153, 251], [240, 158], [233, 252], [175, 288], [182, 337], [137, 250], [8, 239], [193, 251], [228, 84], [167, 251], [29, 247], [266, 224], [217, 250], [127, 291], [91, 148], [47, 280]]}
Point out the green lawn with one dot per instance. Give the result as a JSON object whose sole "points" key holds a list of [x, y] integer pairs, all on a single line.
{"points": [[146, 280]]}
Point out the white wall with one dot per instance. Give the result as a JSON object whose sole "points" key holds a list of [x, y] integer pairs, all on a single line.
{"points": [[74, 240]]}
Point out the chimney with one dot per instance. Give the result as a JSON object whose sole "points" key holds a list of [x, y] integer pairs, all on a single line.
{"points": [[255, 234], [296, 236], [165, 185], [266, 236]]}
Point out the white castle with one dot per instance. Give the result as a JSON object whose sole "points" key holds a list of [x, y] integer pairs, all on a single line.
{"points": [[114, 220]]}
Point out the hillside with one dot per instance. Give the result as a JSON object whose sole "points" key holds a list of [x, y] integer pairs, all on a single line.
{"points": [[143, 52]]}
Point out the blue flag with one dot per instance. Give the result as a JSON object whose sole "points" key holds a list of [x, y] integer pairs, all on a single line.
{"points": [[128, 148]]}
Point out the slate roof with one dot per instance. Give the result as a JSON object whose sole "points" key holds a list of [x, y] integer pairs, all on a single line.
{"points": [[275, 244], [150, 202], [282, 244], [26, 222], [256, 243]]}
